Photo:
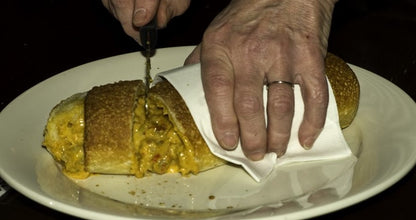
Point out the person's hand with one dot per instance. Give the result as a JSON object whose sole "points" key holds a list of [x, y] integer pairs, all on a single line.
{"points": [[134, 14], [255, 42]]}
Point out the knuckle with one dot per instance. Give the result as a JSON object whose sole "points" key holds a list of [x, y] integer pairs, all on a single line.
{"points": [[248, 106], [278, 141], [278, 135], [217, 83], [224, 121], [280, 104]]}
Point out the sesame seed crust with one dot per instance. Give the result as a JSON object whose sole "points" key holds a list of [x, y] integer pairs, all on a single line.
{"points": [[109, 111]]}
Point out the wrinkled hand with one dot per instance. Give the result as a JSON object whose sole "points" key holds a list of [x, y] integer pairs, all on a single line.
{"points": [[134, 14], [250, 43]]}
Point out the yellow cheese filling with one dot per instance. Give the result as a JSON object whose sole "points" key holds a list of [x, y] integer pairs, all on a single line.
{"points": [[159, 147], [64, 136]]}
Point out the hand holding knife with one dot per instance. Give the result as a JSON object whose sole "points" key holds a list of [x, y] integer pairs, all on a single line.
{"points": [[148, 37]]}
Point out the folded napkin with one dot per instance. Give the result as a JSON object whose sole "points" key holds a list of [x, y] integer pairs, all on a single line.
{"points": [[329, 145]]}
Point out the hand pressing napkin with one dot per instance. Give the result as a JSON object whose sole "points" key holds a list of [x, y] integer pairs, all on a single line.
{"points": [[329, 145]]}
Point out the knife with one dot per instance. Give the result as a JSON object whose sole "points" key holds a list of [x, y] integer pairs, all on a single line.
{"points": [[148, 37]]}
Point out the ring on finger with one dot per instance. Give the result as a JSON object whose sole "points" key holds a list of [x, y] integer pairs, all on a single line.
{"points": [[280, 82]]}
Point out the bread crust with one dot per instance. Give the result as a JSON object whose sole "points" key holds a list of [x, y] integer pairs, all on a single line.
{"points": [[345, 86], [108, 143]]}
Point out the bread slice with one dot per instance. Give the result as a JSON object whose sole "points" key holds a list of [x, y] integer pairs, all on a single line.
{"points": [[109, 112]]}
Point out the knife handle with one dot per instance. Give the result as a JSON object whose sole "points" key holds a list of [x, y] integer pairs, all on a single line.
{"points": [[148, 35]]}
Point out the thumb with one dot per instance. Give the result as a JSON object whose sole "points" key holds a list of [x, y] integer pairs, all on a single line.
{"points": [[194, 56], [144, 11]]}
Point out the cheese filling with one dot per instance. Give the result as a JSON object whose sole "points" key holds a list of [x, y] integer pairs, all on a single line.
{"points": [[64, 136], [159, 147]]}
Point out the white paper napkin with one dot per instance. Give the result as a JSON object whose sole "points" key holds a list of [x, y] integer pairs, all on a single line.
{"points": [[329, 145]]}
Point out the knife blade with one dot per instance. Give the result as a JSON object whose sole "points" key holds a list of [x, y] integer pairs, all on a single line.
{"points": [[148, 37]]}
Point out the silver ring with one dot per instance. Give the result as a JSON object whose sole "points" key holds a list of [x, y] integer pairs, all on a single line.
{"points": [[280, 82]]}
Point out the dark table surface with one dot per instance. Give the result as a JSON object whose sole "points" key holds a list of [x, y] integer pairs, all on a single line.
{"points": [[45, 37]]}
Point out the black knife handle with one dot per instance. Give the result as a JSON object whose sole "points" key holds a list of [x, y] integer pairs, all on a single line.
{"points": [[148, 35]]}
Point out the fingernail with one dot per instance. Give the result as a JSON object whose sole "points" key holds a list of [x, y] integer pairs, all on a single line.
{"points": [[309, 142], [139, 15], [229, 141]]}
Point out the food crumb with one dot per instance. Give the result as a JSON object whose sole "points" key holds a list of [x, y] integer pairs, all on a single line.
{"points": [[211, 197], [230, 207], [97, 185], [132, 192]]}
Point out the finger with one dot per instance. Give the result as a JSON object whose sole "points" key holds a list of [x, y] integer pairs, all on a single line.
{"points": [[248, 102], [144, 11], [218, 81], [194, 56], [314, 89], [169, 9], [123, 11], [280, 111]]}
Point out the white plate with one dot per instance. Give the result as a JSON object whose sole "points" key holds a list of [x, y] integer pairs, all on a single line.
{"points": [[382, 137]]}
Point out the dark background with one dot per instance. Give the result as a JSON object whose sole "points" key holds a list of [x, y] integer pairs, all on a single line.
{"points": [[45, 37]]}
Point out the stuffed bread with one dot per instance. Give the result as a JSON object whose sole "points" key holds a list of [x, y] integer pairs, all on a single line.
{"points": [[106, 131]]}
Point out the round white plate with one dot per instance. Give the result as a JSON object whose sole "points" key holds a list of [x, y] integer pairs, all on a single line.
{"points": [[382, 137]]}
